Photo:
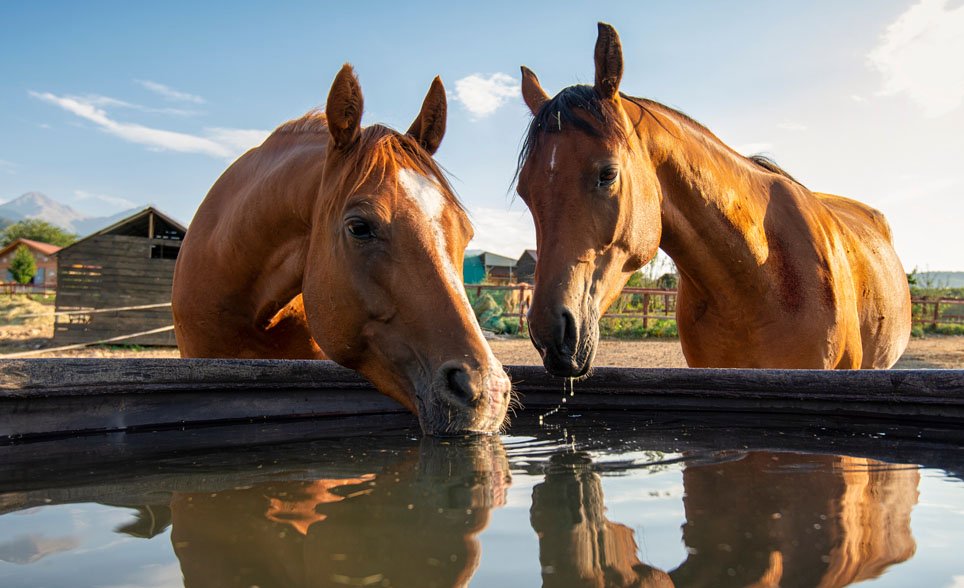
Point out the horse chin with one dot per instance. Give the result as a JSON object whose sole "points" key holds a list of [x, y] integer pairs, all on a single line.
{"points": [[561, 364], [569, 366], [440, 416]]}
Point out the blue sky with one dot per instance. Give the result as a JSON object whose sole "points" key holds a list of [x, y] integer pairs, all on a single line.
{"points": [[107, 105]]}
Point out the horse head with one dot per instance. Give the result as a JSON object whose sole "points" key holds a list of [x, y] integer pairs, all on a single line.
{"points": [[595, 204], [382, 285]]}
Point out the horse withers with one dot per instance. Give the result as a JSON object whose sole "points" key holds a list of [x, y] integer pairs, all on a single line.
{"points": [[771, 275], [335, 241]]}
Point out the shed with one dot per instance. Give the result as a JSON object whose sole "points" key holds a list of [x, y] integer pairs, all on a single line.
{"points": [[44, 255], [130, 263], [479, 265], [525, 267]]}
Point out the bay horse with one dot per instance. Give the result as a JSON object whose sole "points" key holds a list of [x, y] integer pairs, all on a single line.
{"points": [[335, 241], [771, 275]]}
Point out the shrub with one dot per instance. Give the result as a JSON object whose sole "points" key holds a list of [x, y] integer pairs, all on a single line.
{"points": [[22, 266]]}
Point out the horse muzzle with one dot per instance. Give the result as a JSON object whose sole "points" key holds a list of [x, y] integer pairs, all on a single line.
{"points": [[567, 347], [464, 401]]}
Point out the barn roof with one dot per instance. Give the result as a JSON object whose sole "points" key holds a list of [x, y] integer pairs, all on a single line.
{"points": [[131, 224], [490, 259], [44, 248]]}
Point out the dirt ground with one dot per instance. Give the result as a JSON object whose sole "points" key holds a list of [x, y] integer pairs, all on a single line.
{"points": [[18, 333], [931, 352]]}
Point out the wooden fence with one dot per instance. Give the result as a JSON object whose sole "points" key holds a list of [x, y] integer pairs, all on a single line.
{"points": [[15, 288], [938, 311], [651, 304]]}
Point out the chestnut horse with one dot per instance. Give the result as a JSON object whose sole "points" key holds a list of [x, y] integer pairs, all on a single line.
{"points": [[772, 275], [330, 240]]}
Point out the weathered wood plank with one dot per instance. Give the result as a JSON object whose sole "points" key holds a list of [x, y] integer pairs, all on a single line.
{"points": [[41, 396]]}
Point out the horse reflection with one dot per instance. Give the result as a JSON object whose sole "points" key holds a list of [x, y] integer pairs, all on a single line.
{"points": [[772, 519], [412, 524], [578, 545], [764, 520]]}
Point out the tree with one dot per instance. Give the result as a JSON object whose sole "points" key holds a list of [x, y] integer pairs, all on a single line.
{"points": [[22, 266], [37, 230]]}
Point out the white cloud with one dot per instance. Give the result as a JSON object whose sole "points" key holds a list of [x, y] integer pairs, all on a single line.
{"points": [[8, 167], [916, 55], [216, 142], [791, 126], [107, 101], [857, 98], [753, 148], [169, 92], [482, 95], [115, 201], [957, 582], [506, 232]]}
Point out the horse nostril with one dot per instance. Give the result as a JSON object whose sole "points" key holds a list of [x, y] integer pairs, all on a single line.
{"points": [[568, 332], [460, 385]]}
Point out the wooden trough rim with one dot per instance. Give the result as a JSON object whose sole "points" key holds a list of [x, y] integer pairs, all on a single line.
{"points": [[32, 378], [41, 398]]}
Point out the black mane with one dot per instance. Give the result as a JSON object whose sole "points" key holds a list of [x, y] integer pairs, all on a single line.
{"points": [[560, 112]]}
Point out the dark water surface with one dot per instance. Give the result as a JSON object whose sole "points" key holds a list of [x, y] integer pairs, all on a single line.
{"points": [[619, 501]]}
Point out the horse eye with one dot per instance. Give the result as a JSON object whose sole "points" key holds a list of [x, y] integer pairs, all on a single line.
{"points": [[359, 229], [608, 176]]}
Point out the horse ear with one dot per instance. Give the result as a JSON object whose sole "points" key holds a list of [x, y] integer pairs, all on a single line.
{"points": [[344, 108], [429, 127], [532, 92], [609, 62]]}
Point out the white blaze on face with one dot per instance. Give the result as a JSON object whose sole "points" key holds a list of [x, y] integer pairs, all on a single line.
{"points": [[428, 198], [552, 160]]}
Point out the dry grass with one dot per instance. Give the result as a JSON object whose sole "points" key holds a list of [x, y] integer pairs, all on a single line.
{"points": [[20, 334]]}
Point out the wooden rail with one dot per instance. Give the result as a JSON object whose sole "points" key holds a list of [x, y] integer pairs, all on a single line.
{"points": [[658, 304], [10, 288], [933, 311]]}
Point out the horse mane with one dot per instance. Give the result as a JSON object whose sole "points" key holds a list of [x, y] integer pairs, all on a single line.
{"points": [[759, 159], [561, 109], [313, 121], [382, 148]]}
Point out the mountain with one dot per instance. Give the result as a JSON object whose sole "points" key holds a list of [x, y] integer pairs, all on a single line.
{"points": [[940, 279], [39, 206]]}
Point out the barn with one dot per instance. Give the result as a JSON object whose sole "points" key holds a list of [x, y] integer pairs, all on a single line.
{"points": [[525, 267], [130, 263], [481, 266]]}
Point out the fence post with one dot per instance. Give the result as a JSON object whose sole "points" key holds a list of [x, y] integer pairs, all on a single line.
{"points": [[645, 311], [937, 313]]}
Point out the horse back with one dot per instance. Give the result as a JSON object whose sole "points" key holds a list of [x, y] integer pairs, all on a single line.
{"points": [[881, 292]]}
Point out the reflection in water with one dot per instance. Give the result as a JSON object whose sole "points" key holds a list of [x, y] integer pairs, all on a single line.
{"points": [[27, 549], [781, 519], [578, 545], [413, 523], [763, 520]]}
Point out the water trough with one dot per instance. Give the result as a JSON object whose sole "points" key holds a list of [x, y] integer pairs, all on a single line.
{"points": [[57, 397]]}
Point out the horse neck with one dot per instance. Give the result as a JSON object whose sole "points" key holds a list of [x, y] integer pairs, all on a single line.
{"points": [[713, 203], [271, 223]]}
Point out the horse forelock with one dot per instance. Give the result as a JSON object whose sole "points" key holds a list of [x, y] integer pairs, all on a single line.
{"points": [[380, 154], [576, 107]]}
